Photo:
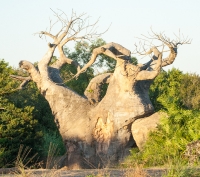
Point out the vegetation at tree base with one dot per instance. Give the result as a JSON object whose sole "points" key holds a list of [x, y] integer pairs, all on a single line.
{"points": [[25, 116], [177, 94]]}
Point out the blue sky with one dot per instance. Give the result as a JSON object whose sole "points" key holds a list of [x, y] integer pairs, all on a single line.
{"points": [[20, 19]]}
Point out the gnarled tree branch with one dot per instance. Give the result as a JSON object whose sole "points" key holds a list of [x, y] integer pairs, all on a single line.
{"points": [[93, 90], [76, 28], [113, 50], [28, 66], [154, 67]]}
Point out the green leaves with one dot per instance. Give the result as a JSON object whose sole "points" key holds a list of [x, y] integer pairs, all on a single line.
{"points": [[174, 93], [169, 93], [17, 126], [176, 89], [7, 85]]}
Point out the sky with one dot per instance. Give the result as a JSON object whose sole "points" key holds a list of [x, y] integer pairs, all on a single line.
{"points": [[128, 20]]}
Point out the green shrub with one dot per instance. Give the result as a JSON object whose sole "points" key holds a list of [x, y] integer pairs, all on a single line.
{"points": [[25, 118], [181, 126], [17, 126], [51, 137], [177, 89]]}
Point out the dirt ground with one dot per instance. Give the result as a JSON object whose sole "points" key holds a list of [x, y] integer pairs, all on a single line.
{"points": [[151, 172], [136, 172]]}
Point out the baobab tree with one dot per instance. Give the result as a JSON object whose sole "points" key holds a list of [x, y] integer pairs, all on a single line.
{"points": [[97, 130]]}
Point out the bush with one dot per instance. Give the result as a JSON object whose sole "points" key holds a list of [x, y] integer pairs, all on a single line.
{"points": [[170, 93], [25, 118]]}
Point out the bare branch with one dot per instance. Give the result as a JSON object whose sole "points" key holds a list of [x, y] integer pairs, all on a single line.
{"points": [[64, 60], [75, 28], [172, 45], [25, 80], [47, 34], [112, 50], [21, 78], [153, 68]]}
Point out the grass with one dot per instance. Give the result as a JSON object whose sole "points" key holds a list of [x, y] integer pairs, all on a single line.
{"points": [[175, 167], [182, 171], [138, 171], [22, 161], [101, 173], [25, 166]]}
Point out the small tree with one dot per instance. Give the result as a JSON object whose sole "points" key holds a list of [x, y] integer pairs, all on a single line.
{"points": [[96, 129]]}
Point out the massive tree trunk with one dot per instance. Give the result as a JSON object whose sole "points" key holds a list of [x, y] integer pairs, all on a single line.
{"points": [[97, 132]]}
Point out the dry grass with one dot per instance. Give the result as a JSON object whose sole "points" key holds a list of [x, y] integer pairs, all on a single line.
{"points": [[22, 162], [138, 171]]}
